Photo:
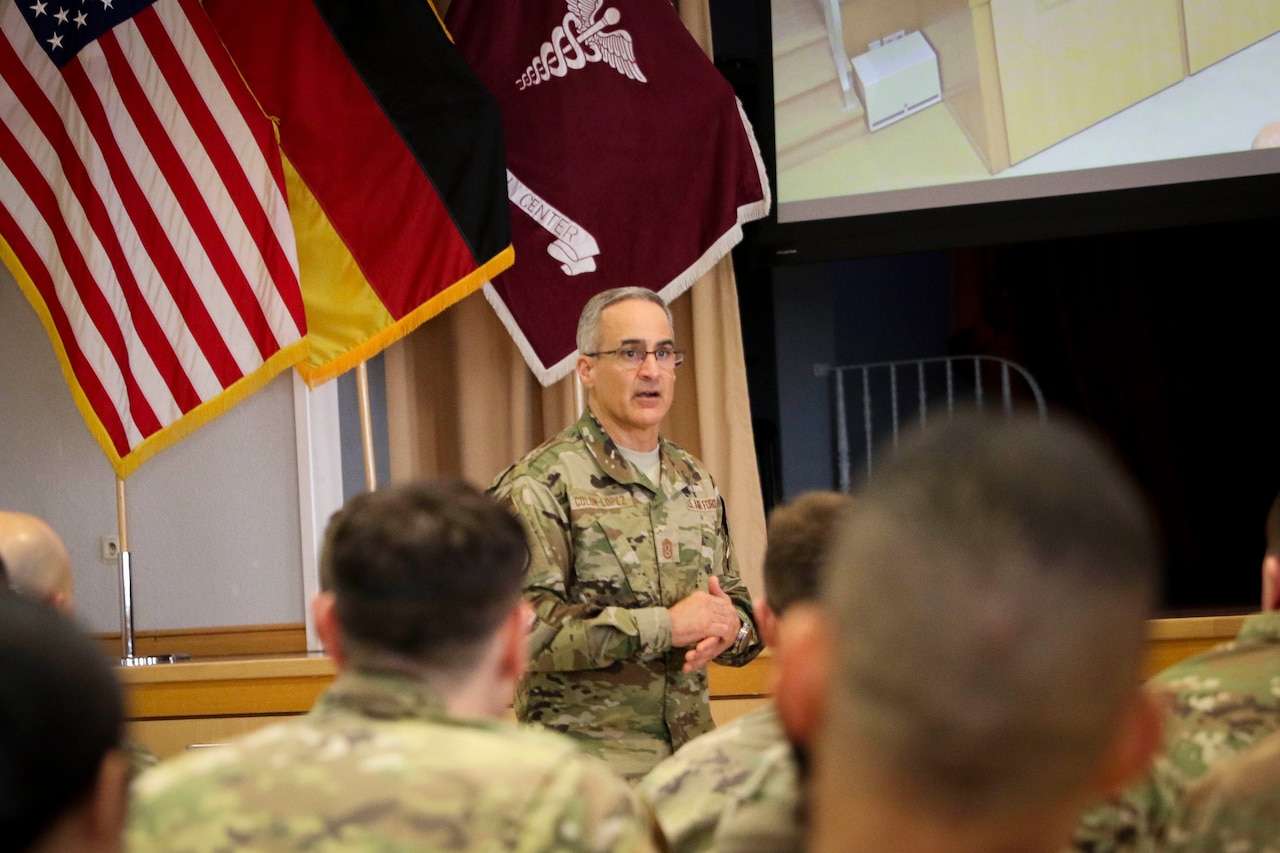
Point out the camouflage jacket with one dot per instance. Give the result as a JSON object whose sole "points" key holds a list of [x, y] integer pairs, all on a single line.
{"points": [[1218, 703], [1235, 807], [743, 770], [379, 765], [609, 553]]}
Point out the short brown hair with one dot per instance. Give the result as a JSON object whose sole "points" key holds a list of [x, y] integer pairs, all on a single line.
{"points": [[988, 597], [799, 534], [426, 571]]}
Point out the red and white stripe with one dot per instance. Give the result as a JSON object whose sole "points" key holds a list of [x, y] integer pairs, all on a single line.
{"points": [[141, 190]]}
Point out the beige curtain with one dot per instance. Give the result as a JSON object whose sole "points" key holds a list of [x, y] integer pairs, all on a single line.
{"points": [[461, 401]]}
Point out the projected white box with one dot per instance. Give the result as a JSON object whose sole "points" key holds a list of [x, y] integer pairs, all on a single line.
{"points": [[896, 79]]}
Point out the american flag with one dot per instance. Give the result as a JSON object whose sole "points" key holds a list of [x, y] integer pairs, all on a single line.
{"points": [[143, 211]]}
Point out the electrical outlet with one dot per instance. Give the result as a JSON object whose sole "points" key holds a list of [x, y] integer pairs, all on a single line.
{"points": [[110, 549]]}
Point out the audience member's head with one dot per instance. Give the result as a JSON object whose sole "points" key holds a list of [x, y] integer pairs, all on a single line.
{"points": [[1268, 136], [1271, 560], [62, 773], [973, 672], [425, 579], [800, 533], [36, 560]]}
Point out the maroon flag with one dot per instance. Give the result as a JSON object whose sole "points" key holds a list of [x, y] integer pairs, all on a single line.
{"points": [[142, 211], [629, 160]]}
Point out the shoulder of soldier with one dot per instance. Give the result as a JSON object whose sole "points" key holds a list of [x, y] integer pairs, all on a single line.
{"points": [[511, 780], [694, 471], [1256, 647], [767, 812], [538, 463], [678, 453], [1235, 806], [720, 758], [1137, 818], [581, 803]]}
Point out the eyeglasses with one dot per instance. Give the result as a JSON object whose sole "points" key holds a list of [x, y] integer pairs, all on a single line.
{"points": [[665, 357]]}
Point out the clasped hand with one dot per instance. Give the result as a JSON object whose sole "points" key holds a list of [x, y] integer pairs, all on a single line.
{"points": [[707, 621]]}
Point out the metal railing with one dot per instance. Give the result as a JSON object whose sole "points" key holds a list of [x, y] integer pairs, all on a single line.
{"points": [[967, 380]]}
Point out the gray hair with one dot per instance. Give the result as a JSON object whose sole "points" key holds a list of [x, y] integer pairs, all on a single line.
{"points": [[589, 321], [989, 597]]}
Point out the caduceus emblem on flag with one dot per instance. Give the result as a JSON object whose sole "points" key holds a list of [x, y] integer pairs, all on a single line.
{"points": [[581, 39]]}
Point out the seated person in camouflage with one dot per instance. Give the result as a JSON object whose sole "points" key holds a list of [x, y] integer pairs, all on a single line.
{"points": [[63, 775], [1235, 807], [720, 770], [632, 577], [970, 678], [1217, 704], [422, 614]]}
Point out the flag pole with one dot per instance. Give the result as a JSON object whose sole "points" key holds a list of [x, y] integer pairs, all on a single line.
{"points": [[366, 426], [126, 573], [128, 658]]}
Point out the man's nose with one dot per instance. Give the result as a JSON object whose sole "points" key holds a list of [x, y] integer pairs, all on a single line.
{"points": [[649, 366]]}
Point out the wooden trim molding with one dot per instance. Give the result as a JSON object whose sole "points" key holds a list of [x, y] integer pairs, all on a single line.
{"points": [[273, 674], [248, 687], [284, 639], [267, 676], [1172, 640]]}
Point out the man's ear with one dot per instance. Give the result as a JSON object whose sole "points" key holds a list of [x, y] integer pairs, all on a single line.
{"points": [[766, 622], [1271, 582], [59, 602], [1138, 736], [108, 802], [583, 367], [324, 613], [803, 660], [514, 639]]}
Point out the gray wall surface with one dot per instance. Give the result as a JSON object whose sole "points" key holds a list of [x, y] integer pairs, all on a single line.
{"points": [[213, 521]]}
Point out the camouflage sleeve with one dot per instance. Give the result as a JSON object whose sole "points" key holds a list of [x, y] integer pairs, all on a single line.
{"points": [[726, 567], [573, 635], [586, 808], [766, 814], [1235, 807], [1135, 820]]}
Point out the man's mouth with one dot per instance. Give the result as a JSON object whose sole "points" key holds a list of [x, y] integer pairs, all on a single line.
{"points": [[653, 395]]}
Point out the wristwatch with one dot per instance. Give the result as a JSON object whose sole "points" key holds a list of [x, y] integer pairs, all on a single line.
{"points": [[743, 633]]}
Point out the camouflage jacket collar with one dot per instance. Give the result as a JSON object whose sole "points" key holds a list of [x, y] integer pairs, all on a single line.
{"points": [[380, 696], [677, 469], [1260, 628]]}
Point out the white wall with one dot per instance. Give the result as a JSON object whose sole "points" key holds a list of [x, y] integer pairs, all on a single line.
{"points": [[213, 522]]}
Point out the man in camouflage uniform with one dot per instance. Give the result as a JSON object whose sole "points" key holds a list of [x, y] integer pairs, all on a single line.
{"points": [[632, 577], [968, 681], [1217, 704], [697, 792], [422, 614]]}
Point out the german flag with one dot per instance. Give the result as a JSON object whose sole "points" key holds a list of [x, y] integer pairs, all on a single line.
{"points": [[394, 163]]}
